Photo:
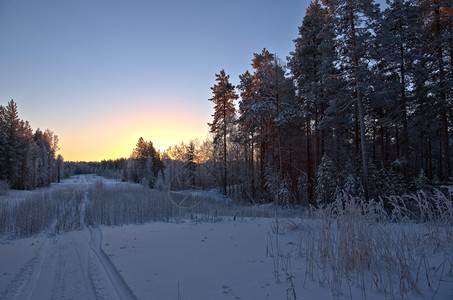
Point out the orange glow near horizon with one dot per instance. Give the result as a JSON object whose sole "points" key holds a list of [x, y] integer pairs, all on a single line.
{"points": [[115, 136]]}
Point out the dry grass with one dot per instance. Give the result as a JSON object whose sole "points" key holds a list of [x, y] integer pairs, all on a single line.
{"points": [[55, 210], [131, 204], [352, 242]]}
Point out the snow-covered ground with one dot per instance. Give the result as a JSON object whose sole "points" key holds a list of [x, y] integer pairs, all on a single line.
{"points": [[235, 258], [222, 260]]}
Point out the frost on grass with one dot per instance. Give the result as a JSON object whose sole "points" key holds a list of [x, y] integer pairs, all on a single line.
{"points": [[56, 209], [400, 250], [109, 203], [399, 247]]}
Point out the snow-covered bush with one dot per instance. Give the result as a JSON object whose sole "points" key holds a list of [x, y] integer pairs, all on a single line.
{"points": [[326, 181], [421, 182], [303, 188], [352, 241], [284, 193], [53, 210], [4, 188]]}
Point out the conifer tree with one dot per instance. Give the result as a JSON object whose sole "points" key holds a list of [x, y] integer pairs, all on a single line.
{"points": [[326, 182], [60, 170], [313, 70], [223, 97], [190, 164], [3, 145], [357, 21], [14, 151], [398, 39], [438, 20], [247, 127]]}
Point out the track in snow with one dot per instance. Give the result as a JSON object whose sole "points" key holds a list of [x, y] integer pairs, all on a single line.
{"points": [[71, 265]]}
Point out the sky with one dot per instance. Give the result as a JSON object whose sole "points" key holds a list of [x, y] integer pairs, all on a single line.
{"points": [[103, 73]]}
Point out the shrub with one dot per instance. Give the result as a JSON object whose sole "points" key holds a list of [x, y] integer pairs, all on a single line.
{"points": [[4, 188]]}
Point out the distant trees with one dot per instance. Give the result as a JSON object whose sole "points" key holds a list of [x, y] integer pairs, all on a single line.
{"points": [[144, 164], [27, 158]]}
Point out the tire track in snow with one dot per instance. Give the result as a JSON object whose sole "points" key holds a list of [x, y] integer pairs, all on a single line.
{"points": [[71, 265], [108, 273]]}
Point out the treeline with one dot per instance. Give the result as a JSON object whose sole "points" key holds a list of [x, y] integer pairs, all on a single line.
{"points": [[183, 166], [144, 166], [364, 105], [27, 158]]}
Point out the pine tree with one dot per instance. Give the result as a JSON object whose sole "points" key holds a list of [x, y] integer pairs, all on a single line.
{"points": [[313, 70], [3, 146], [398, 37], [144, 159], [356, 22], [224, 111], [267, 112], [438, 21], [247, 127]]}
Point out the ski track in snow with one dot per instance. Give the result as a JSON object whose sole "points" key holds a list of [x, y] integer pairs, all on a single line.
{"points": [[71, 265]]}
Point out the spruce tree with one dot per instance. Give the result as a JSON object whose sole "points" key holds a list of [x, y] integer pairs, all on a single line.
{"points": [[190, 164], [326, 181]]}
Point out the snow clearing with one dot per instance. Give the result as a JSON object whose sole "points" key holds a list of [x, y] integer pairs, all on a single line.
{"points": [[109, 240]]}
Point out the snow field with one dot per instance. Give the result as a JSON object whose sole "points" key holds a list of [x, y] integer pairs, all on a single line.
{"points": [[14, 256], [221, 260], [215, 249], [258, 259]]}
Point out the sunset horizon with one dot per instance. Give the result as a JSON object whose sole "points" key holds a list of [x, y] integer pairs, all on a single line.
{"points": [[129, 69]]}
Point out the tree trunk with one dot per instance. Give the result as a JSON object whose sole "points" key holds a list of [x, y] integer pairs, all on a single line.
{"points": [[224, 151], [309, 167], [443, 98], [381, 133], [360, 107]]}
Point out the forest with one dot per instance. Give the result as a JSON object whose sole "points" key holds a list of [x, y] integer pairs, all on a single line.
{"points": [[27, 158], [362, 105]]}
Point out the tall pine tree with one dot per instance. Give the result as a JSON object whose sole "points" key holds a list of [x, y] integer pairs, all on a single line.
{"points": [[224, 112], [356, 23]]}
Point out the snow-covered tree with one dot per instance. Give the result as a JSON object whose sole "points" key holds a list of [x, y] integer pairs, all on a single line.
{"points": [[326, 181], [438, 24], [190, 165], [313, 69], [60, 167], [148, 178], [356, 22], [223, 97], [421, 182]]}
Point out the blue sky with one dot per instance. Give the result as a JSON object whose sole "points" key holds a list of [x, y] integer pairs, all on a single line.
{"points": [[100, 73]]}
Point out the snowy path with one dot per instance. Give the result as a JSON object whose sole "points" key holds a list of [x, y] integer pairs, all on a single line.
{"points": [[71, 265]]}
